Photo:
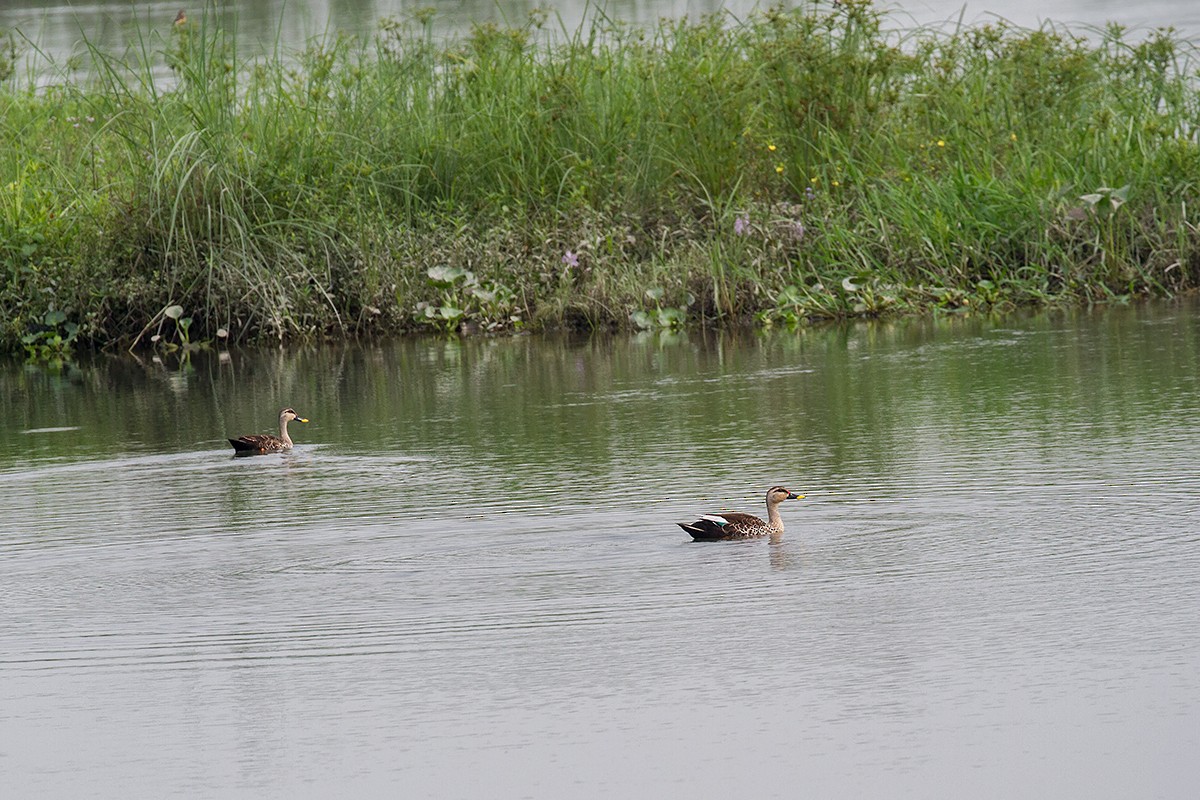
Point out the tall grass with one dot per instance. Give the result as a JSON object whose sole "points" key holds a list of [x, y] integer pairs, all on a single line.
{"points": [[797, 164]]}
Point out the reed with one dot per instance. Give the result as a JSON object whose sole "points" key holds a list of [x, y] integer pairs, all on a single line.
{"points": [[796, 165]]}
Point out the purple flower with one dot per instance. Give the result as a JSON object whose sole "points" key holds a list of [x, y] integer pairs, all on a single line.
{"points": [[741, 224], [570, 258], [797, 230], [809, 193]]}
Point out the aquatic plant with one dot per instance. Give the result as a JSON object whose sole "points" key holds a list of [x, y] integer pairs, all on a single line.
{"points": [[464, 299], [661, 316], [797, 164], [182, 328], [53, 339]]}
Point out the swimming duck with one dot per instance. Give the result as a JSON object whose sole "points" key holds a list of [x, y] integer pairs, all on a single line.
{"points": [[736, 525], [257, 443]]}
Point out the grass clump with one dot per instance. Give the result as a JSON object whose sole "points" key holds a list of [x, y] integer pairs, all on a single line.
{"points": [[799, 164]]}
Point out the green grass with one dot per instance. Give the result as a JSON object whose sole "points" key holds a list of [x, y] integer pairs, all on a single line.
{"points": [[795, 165]]}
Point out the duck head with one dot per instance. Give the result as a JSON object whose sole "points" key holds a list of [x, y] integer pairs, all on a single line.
{"points": [[287, 415]]}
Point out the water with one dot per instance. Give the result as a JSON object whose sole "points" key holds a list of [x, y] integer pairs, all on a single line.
{"points": [[57, 27], [466, 579]]}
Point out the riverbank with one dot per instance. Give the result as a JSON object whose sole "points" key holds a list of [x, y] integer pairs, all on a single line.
{"points": [[797, 165]]}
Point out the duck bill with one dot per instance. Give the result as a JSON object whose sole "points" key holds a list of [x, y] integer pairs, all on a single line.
{"points": [[794, 496], [301, 419]]}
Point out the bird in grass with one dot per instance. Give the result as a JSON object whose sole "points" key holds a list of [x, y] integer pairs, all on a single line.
{"points": [[738, 525], [258, 443]]}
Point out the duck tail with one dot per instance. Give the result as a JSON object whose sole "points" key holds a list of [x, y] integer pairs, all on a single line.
{"points": [[702, 530]]}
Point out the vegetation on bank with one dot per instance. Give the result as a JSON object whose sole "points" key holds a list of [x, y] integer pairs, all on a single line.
{"points": [[799, 164]]}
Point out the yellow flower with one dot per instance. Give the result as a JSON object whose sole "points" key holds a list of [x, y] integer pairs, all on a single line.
{"points": [[814, 179], [941, 142], [771, 147], [779, 168], [835, 183], [1013, 136]]}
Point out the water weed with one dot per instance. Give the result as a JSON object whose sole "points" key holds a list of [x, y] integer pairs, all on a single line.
{"points": [[52, 340], [798, 164], [465, 301]]}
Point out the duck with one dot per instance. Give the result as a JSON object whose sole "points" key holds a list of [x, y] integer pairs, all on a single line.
{"points": [[738, 525], [258, 443]]}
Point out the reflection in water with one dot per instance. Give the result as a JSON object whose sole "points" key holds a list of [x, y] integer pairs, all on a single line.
{"points": [[467, 578]]}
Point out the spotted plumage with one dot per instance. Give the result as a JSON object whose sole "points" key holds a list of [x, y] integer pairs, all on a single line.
{"points": [[258, 443], [738, 525]]}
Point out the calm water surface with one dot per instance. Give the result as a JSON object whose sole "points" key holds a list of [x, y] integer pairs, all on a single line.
{"points": [[57, 27], [466, 580]]}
